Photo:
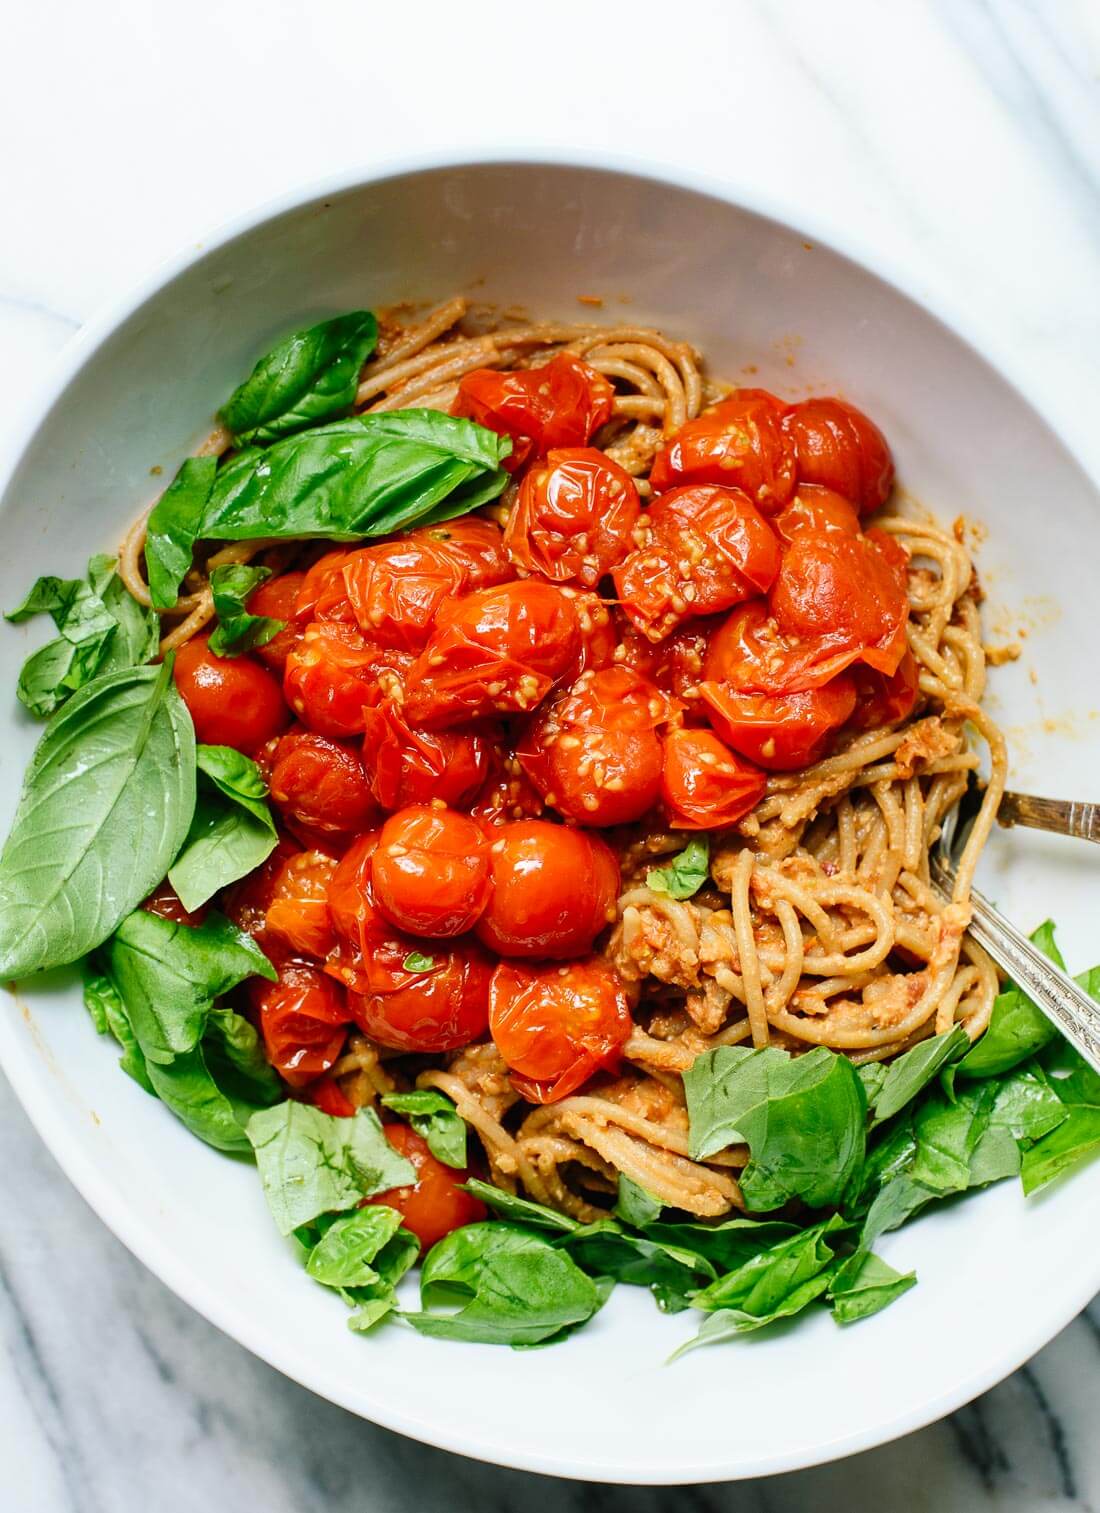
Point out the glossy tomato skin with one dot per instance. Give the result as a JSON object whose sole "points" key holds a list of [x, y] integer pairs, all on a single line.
{"points": [[233, 701], [166, 903], [554, 890], [331, 676], [883, 700], [849, 591], [246, 903], [475, 544], [303, 1021], [705, 785], [370, 952], [560, 404], [320, 783], [780, 731], [277, 598], [674, 664], [816, 508], [435, 1203], [327, 1095], [396, 588], [441, 1009], [574, 518], [838, 446], [321, 595], [598, 633], [593, 751], [496, 651], [555, 1026], [706, 549], [739, 442], [298, 913], [750, 654], [430, 871], [507, 794], [408, 766]]}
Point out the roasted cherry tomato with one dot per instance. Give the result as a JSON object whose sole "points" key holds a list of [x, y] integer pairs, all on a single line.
{"points": [[574, 518], [331, 676], [780, 731], [303, 1021], [674, 664], [166, 903], [277, 598], [321, 595], [816, 508], [246, 903], [739, 442], [850, 591], [409, 766], [476, 544], [838, 446], [233, 701], [430, 871], [395, 590], [298, 912], [554, 890], [327, 1095], [444, 1005], [508, 794], [435, 1203], [557, 1025], [599, 636], [707, 549], [750, 654], [497, 651], [320, 783], [593, 752], [882, 700], [560, 404], [370, 952], [704, 785]]}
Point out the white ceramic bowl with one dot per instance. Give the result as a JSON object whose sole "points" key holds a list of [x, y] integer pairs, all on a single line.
{"points": [[998, 1276]]}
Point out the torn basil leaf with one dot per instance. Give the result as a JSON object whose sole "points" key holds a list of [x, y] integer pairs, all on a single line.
{"points": [[521, 1210], [232, 830], [173, 527], [907, 1074], [1017, 1029], [686, 873], [436, 1120], [634, 1205], [606, 1249], [237, 631], [868, 1288]]}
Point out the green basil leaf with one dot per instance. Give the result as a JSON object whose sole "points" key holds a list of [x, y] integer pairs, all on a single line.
{"points": [[605, 1249], [1027, 1104], [104, 1003], [521, 1210], [343, 1255], [868, 1288], [169, 975], [1017, 1029], [238, 631], [137, 628], [378, 1299], [235, 1056], [416, 961], [308, 377], [174, 526], [232, 830], [188, 1086], [435, 1118], [907, 1074], [634, 1205], [802, 1117], [686, 873], [515, 1286], [1077, 1087], [106, 802], [726, 1244], [313, 1163]]}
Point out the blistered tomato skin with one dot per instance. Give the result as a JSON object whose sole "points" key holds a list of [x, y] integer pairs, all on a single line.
{"points": [[705, 785], [556, 1026], [303, 1021], [574, 518], [441, 1008], [849, 590], [560, 404], [408, 766], [320, 783], [331, 676], [475, 544], [435, 1203], [553, 890], [739, 442], [298, 913], [816, 508], [780, 731], [838, 446], [233, 701], [430, 871]]}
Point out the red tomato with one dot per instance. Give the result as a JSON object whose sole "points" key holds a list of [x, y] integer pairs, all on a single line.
{"points": [[750, 654], [246, 903], [739, 442], [598, 634], [327, 1095], [331, 676], [370, 952], [708, 548], [277, 598], [838, 446], [303, 1021], [416, 766], [321, 595], [818, 509], [396, 588], [850, 591], [441, 1008], [233, 701], [554, 890], [704, 785], [321, 784], [780, 731], [508, 794], [593, 751], [298, 912], [882, 700], [475, 544], [574, 518], [430, 871], [557, 1025], [434, 1204], [497, 651], [165, 903], [560, 404], [674, 664]]}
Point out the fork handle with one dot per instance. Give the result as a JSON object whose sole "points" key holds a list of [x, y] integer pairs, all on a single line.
{"points": [[1063, 816]]}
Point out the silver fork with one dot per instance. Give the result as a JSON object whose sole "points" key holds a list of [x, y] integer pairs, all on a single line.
{"points": [[1053, 991]]}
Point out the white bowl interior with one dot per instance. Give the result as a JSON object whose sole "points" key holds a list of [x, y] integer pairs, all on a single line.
{"points": [[998, 1275]]}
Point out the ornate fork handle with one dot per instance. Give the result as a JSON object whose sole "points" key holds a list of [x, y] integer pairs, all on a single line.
{"points": [[1064, 816]]}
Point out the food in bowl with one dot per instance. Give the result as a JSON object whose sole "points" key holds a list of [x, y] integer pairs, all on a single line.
{"points": [[587, 809]]}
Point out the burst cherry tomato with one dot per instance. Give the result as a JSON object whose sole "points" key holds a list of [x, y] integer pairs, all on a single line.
{"points": [[816, 508], [246, 903], [498, 650], [598, 634], [370, 952], [750, 654], [435, 1203], [475, 544], [508, 794], [320, 784], [233, 701], [298, 912], [554, 890], [882, 700], [430, 871], [331, 675], [739, 442], [593, 751], [560, 404], [303, 1021], [277, 598], [327, 1095], [574, 518], [557, 1025], [674, 664], [166, 903], [441, 1007], [704, 785], [780, 731], [416, 766], [848, 590], [396, 588], [708, 548], [322, 595], [838, 446]]}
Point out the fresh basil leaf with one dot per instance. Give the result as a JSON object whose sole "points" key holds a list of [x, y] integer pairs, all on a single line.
{"points": [[1077, 1087], [686, 873], [371, 1310], [907, 1074], [802, 1117], [634, 1205], [416, 961], [521, 1210], [343, 1255], [187, 1085], [1027, 1105], [174, 526], [169, 975], [605, 1249], [235, 1056], [232, 830], [104, 1003], [106, 802], [727, 1244], [137, 628], [1017, 1029], [238, 631], [308, 377], [868, 1288], [435, 1118], [313, 1163], [378, 1299], [515, 1287], [872, 1074]]}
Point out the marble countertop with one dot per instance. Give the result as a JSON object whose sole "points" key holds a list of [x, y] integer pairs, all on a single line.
{"points": [[958, 141]]}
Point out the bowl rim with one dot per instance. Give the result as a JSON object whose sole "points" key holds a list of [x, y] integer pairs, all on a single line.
{"points": [[17, 1057]]}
